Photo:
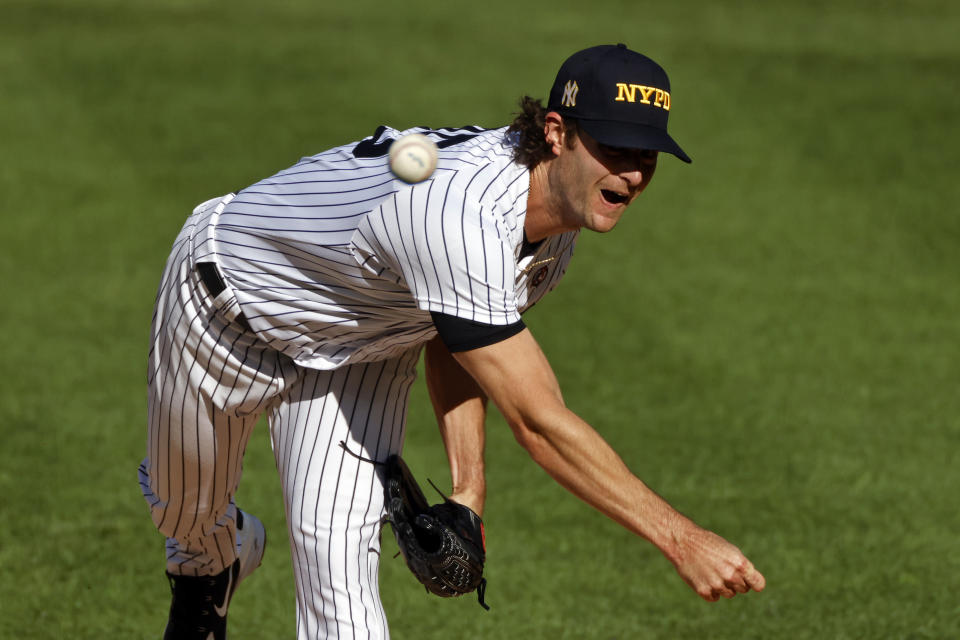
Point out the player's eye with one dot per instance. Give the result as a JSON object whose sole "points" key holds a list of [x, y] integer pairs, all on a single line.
{"points": [[642, 156], [614, 152]]}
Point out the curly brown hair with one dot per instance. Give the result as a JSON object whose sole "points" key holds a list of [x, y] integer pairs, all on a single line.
{"points": [[525, 133]]}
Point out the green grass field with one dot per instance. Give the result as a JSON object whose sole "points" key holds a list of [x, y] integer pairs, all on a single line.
{"points": [[770, 338]]}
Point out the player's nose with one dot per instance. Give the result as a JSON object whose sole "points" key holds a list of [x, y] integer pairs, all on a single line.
{"points": [[633, 176]]}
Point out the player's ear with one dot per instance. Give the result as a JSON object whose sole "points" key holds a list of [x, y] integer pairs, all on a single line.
{"points": [[553, 132]]}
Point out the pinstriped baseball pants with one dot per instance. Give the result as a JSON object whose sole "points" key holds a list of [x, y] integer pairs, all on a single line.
{"points": [[209, 382]]}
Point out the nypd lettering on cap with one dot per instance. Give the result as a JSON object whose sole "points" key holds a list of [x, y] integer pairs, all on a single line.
{"points": [[628, 93]]}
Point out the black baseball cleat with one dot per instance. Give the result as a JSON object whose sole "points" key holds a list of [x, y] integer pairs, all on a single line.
{"points": [[199, 607]]}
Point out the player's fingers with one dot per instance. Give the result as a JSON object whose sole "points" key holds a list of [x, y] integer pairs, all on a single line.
{"points": [[704, 591], [739, 586], [714, 589], [726, 592], [754, 579]]}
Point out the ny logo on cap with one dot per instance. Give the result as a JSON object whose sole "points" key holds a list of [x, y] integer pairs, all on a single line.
{"points": [[569, 98]]}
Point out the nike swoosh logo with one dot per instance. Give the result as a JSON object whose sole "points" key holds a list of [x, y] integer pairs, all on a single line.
{"points": [[222, 608]]}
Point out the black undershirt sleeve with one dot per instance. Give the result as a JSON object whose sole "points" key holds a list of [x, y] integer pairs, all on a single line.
{"points": [[463, 335]]}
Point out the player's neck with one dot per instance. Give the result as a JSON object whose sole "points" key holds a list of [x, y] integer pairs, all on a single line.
{"points": [[543, 217]]}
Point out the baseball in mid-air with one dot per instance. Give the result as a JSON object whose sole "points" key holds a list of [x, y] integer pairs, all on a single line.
{"points": [[413, 157]]}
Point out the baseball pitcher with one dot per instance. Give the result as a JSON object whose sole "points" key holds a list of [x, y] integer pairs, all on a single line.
{"points": [[309, 297]]}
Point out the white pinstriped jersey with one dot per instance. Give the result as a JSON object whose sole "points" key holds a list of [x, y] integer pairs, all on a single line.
{"points": [[334, 260]]}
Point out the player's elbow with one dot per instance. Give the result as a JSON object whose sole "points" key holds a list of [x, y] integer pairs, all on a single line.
{"points": [[534, 415], [533, 434], [531, 440]]}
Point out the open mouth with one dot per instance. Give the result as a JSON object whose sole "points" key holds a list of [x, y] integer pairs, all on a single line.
{"points": [[613, 197]]}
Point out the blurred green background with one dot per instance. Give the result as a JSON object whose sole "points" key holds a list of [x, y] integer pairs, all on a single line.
{"points": [[770, 338]]}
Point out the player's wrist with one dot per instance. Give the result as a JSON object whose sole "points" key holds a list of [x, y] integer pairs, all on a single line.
{"points": [[472, 498], [667, 529], [676, 537]]}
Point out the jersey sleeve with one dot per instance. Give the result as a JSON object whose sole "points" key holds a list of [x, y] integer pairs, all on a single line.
{"points": [[463, 335], [450, 251]]}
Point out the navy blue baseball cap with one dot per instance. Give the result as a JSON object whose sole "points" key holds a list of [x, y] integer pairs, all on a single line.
{"points": [[618, 96]]}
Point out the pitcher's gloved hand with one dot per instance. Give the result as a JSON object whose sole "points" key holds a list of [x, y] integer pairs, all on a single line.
{"points": [[442, 544]]}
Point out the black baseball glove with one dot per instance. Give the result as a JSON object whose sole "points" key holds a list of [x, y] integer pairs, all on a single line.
{"points": [[443, 544]]}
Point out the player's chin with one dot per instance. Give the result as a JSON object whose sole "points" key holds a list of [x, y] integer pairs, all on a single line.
{"points": [[606, 218], [606, 213]]}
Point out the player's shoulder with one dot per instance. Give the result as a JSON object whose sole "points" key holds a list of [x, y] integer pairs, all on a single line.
{"points": [[478, 162], [480, 182]]}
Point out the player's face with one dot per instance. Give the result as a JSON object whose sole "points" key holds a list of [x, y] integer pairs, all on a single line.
{"points": [[594, 183]]}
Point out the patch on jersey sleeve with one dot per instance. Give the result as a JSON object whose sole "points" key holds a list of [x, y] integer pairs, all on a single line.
{"points": [[459, 334]]}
